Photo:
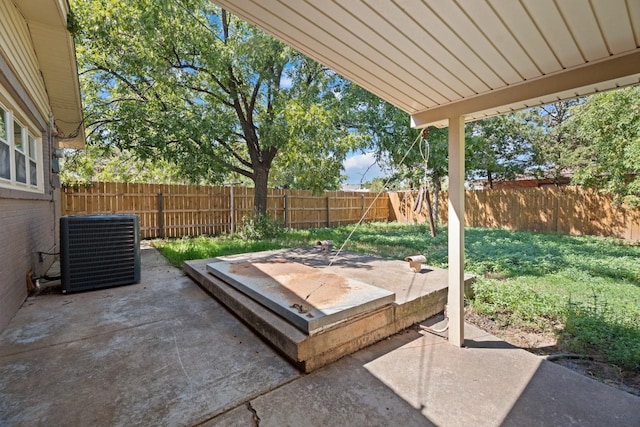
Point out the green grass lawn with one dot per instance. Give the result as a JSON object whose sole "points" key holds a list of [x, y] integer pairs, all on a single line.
{"points": [[586, 289]]}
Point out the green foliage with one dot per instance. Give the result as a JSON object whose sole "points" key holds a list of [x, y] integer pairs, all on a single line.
{"points": [[392, 138], [512, 302], [587, 289], [177, 251], [596, 326], [259, 227], [188, 83], [376, 185], [100, 163], [499, 148], [559, 152], [609, 123]]}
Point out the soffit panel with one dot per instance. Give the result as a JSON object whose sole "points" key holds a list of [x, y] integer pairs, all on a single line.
{"points": [[430, 54], [523, 30], [54, 48], [615, 25], [372, 44], [422, 56], [555, 31], [478, 46], [311, 40], [583, 25]]}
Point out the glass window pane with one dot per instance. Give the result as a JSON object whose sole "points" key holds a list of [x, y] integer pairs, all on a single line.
{"points": [[33, 172], [5, 161], [21, 168], [3, 124], [17, 137], [32, 147]]}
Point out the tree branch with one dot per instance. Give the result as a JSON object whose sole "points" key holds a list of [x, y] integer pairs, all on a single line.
{"points": [[124, 80], [234, 153], [213, 94]]}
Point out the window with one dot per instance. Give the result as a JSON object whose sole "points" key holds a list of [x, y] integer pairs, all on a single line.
{"points": [[18, 144], [20, 155], [5, 149], [33, 164]]}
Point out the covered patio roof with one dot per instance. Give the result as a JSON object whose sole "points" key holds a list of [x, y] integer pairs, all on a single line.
{"points": [[449, 61], [437, 59]]}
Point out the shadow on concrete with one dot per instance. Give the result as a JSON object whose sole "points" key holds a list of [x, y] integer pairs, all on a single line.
{"points": [[163, 352]]}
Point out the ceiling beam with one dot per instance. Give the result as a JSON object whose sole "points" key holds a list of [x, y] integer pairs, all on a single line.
{"points": [[612, 68]]}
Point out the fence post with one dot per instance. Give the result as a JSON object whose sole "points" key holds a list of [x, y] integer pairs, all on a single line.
{"points": [[328, 212], [286, 211], [232, 214], [363, 208], [161, 215]]}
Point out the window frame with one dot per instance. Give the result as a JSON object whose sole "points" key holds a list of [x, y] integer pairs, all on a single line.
{"points": [[6, 141], [30, 149]]}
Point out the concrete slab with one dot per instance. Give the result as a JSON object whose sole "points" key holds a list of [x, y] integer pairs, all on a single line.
{"points": [[106, 359], [418, 379], [161, 352], [310, 298]]}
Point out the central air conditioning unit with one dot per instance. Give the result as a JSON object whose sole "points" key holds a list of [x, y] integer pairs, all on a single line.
{"points": [[99, 251]]}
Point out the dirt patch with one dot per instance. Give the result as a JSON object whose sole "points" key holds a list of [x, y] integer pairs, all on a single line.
{"points": [[545, 343]]}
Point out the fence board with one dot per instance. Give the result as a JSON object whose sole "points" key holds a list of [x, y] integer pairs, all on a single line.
{"points": [[182, 210], [196, 210], [567, 210]]}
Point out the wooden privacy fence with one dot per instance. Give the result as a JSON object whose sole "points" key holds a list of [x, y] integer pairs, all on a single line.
{"points": [[567, 210], [183, 210], [192, 210]]}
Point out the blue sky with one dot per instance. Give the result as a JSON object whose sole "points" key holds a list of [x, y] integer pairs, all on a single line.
{"points": [[355, 167]]}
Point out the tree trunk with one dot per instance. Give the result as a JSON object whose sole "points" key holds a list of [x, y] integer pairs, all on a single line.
{"points": [[490, 179], [260, 180]]}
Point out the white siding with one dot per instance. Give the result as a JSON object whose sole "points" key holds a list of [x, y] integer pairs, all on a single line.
{"points": [[16, 47]]}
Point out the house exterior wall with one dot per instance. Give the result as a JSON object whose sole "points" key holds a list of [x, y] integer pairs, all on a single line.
{"points": [[16, 47], [28, 214], [30, 227]]}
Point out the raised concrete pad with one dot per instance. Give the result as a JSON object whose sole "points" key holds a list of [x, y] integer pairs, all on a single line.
{"points": [[310, 298], [418, 296]]}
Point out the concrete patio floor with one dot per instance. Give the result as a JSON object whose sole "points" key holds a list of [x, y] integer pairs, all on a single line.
{"points": [[163, 352]]}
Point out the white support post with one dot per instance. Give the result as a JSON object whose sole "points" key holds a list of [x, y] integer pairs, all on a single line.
{"points": [[456, 231]]}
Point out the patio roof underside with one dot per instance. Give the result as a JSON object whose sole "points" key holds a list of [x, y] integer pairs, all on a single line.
{"points": [[439, 59]]}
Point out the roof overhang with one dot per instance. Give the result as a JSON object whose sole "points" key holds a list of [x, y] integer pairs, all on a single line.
{"points": [[439, 59], [55, 50]]}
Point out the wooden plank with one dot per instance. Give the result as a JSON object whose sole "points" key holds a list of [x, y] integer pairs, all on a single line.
{"points": [[195, 210]]}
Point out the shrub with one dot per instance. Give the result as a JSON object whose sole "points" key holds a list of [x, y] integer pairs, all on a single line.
{"points": [[259, 227]]}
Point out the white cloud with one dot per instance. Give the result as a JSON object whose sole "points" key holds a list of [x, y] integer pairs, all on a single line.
{"points": [[360, 161], [358, 168], [286, 82]]}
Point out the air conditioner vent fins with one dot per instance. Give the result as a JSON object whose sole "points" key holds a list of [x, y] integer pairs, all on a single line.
{"points": [[99, 251]]}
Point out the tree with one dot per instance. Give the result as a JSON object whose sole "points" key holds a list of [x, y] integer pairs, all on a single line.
{"points": [[559, 151], [187, 82], [609, 127], [396, 144], [499, 148], [105, 163]]}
